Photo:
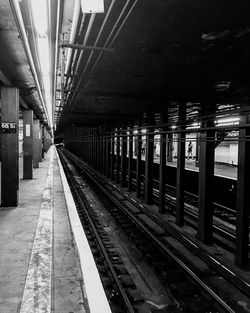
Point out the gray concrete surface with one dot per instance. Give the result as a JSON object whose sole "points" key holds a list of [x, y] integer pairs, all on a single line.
{"points": [[17, 231]]}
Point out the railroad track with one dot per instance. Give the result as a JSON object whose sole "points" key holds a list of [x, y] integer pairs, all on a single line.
{"points": [[224, 222], [155, 241], [119, 287]]}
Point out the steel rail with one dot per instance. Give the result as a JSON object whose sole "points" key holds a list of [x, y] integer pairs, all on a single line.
{"points": [[163, 247], [101, 246]]}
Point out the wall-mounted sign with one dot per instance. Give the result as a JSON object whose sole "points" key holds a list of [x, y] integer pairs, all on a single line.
{"points": [[92, 6], [27, 130], [8, 128]]}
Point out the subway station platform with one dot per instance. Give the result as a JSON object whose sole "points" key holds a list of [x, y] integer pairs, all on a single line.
{"points": [[44, 266]]}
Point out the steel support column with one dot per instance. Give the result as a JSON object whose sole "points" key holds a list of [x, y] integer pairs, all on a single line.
{"points": [[243, 195], [124, 158], [27, 144], [112, 153], [9, 146], [43, 141], [138, 163], [206, 182], [92, 148], [40, 143], [103, 151], [108, 154], [36, 143], [149, 163], [130, 160], [180, 179], [170, 148], [118, 156], [95, 150], [162, 170]]}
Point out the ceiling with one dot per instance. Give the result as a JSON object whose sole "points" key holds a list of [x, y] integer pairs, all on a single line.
{"points": [[139, 57], [164, 52]]}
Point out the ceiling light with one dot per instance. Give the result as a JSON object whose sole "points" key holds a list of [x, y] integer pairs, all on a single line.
{"points": [[40, 16], [194, 126], [92, 6], [228, 121], [43, 51]]}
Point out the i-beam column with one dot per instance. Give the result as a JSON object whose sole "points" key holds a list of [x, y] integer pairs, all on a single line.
{"points": [[206, 182], [243, 194], [124, 158], [36, 143], [118, 156], [9, 146], [28, 144], [130, 159], [180, 167], [149, 163], [162, 173], [112, 138], [138, 163]]}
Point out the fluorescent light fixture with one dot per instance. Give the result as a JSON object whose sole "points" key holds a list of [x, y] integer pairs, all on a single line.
{"points": [[40, 16], [174, 126], [43, 51], [40, 13], [92, 6], [193, 126], [228, 121]]}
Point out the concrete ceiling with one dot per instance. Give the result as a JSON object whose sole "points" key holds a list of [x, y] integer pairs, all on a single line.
{"points": [[15, 66], [164, 52]]}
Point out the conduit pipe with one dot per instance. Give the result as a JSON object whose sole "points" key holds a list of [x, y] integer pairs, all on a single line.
{"points": [[90, 25], [76, 14], [22, 33], [99, 34], [75, 53], [56, 53], [97, 39], [111, 33], [113, 29]]}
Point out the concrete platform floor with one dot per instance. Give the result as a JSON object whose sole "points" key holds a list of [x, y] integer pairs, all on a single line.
{"points": [[19, 227]]}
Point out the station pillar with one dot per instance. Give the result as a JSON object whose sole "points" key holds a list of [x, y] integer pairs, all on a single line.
{"points": [[206, 182], [138, 163], [9, 146], [162, 170], [149, 163], [180, 172], [123, 157], [130, 159], [112, 154], [243, 195], [40, 143], [36, 144], [118, 156], [27, 144]]}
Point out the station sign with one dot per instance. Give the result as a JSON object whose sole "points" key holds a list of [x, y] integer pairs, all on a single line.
{"points": [[92, 6], [8, 128]]}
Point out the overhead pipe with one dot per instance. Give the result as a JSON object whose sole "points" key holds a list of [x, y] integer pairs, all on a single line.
{"points": [[76, 14], [22, 33], [111, 33], [72, 62], [97, 39], [90, 25], [59, 7], [100, 33], [113, 29]]}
